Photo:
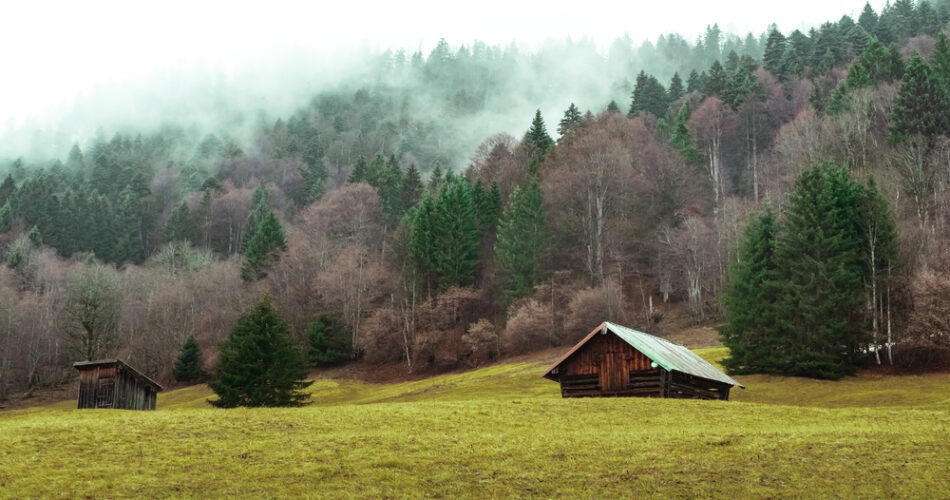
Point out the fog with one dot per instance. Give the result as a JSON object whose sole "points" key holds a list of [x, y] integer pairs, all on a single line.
{"points": [[78, 70]]}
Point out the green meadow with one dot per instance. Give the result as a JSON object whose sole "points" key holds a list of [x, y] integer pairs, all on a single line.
{"points": [[500, 431]]}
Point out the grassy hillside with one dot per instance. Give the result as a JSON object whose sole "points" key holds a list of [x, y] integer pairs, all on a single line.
{"points": [[498, 431]]}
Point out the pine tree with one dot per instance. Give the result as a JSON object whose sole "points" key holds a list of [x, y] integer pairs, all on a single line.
{"points": [[359, 171], [775, 53], [612, 107], [266, 242], [522, 242], [389, 185], [716, 81], [749, 300], [921, 104], [259, 364], [694, 83], [412, 188], [818, 253], [676, 90], [188, 364], [648, 95], [456, 234], [327, 340], [940, 64], [868, 19], [538, 139], [571, 120], [260, 207], [181, 226], [7, 189], [680, 137]]}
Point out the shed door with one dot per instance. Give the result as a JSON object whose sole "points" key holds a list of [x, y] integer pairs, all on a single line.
{"points": [[613, 374], [104, 392]]}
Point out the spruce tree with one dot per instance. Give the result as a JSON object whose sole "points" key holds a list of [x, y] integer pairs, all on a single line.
{"points": [[716, 81], [680, 137], [648, 95], [818, 253], [676, 90], [571, 120], [538, 139], [180, 226], [694, 83], [612, 107], [260, 207], [749, 300], [188, 364], [327, 340], [522, 242], [456, 235], [359, 171], [921, 104], [412, 188], [259, 365], [266, 242], [775, 53]]}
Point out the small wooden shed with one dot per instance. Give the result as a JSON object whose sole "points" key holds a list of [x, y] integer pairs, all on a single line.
{"points": [[110, 383], [614, 360]]}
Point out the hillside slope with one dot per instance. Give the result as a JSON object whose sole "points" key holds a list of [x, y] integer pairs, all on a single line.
{"points": [[497, 431]]}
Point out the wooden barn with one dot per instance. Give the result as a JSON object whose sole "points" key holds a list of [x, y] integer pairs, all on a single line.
{"points": [[614, 360], [113, 384]]}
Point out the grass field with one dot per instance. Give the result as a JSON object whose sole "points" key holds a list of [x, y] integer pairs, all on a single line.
{"points": [[499, 431]]}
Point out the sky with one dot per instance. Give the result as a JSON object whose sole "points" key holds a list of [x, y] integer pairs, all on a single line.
{"points": [[56, 53]]}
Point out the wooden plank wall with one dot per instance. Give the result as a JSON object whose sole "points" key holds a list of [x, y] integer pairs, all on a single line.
{"points": [[95, 390], [608, 366], [105, 386], [613, 361]]}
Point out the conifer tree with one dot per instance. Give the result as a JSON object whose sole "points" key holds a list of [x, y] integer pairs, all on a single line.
{"points": [[716, 81], [327, 340], [538, 139], [267, 240], [260, 207], [680, 137], [676, 90], [749, 300], [921, 104], [7, 189], [775, 53], [259, 363], [572, 120], [612, 107], [359, 171], [188, 364], [457, 235], [181, 226], [818, 253], [868, 19], [412, 188], [522, 242], [648, 95], [693, 82]]}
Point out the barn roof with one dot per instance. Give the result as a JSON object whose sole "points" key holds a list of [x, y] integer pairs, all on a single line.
{"points": [[670, 356], [81, 365]]}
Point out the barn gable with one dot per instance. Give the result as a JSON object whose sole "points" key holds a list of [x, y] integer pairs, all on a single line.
{"points": [[619, 361]]}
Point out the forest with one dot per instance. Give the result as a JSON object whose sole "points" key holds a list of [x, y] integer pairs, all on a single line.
{"points": [[391, 222]]}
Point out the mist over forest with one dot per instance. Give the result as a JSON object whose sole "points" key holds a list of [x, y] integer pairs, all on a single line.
{"points": [[446, 208]]}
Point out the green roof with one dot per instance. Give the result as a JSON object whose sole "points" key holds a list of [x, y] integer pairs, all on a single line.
{"points": [[670, 356]]}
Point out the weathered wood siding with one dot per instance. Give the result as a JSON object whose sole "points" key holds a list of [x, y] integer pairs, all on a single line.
{"points": [[112, 386], [620, 370], [608, 366]]}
